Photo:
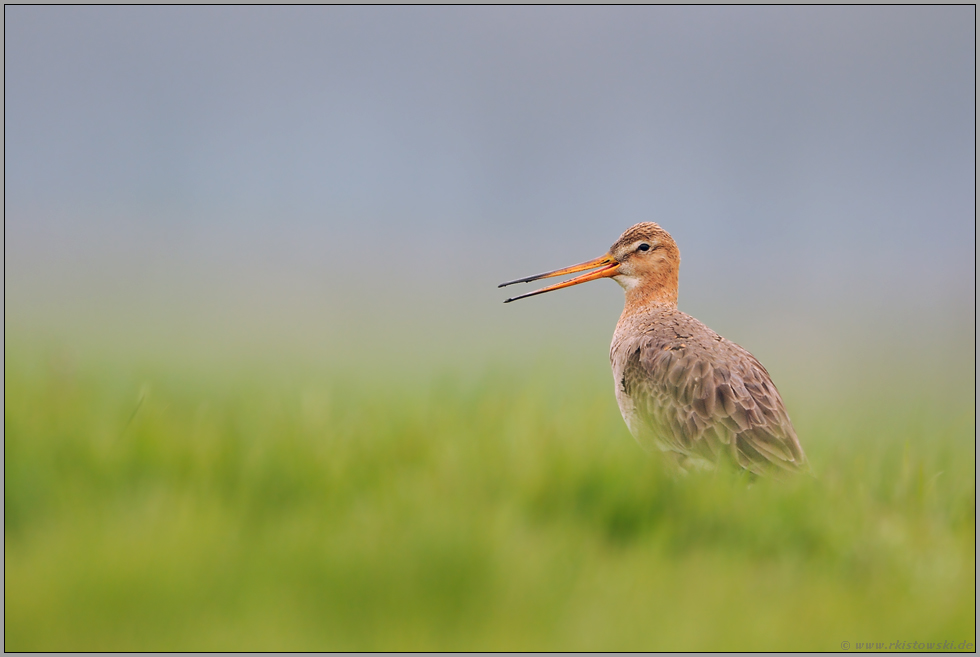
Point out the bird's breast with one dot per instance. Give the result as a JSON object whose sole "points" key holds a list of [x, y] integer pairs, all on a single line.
{"points": [[626, 344]]}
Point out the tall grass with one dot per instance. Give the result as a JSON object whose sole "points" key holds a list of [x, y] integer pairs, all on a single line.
{"points": [[277, 508]]}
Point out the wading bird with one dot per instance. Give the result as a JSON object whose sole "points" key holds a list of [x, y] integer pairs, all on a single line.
{"points": [[681, 387]]}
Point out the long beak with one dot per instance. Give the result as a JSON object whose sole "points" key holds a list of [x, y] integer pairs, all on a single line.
{"points": [[608, 266]]}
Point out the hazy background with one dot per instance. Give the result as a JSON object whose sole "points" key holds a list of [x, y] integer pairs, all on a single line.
{"points": [[306, 179], [261, 393]]}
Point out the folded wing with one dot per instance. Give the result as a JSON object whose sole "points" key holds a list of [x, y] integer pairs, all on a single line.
{"points": [[709, 398]]}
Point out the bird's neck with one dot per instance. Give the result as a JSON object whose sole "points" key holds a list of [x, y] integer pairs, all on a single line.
{"points": [[652, 293]]}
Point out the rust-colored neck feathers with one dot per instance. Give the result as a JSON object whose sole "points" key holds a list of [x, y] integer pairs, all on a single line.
{"points": [[657, 289], [650, 263]]}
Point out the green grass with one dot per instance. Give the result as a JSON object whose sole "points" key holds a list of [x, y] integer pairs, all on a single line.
{"points": [[156, 507]]}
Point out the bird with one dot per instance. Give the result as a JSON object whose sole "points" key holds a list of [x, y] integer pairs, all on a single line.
{"points": [[682, 389]]}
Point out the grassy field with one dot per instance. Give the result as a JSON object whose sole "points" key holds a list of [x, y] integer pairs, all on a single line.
{"points": [[277, 507]]}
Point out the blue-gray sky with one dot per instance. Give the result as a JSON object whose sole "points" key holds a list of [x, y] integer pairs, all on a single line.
{"points": [[307, 165]]}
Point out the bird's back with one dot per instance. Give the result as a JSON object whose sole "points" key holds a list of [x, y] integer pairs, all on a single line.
{"points": [[689, 392]]}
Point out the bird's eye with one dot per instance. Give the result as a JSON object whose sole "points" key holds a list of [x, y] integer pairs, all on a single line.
{"points": [[644, 247]]}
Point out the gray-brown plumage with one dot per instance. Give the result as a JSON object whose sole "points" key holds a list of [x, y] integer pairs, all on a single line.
{"points": [[682, 388]]}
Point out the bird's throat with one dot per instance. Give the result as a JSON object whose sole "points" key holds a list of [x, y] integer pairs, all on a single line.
{"points": [[649, 292]]}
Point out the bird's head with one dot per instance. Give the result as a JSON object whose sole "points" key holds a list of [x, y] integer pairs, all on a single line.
{"points": [[645, 261]]}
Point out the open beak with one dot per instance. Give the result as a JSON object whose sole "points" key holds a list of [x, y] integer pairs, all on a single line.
{"points": [[607, 267]]}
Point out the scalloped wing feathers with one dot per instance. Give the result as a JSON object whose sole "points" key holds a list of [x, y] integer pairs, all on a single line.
{"points": [[684, 389]]}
